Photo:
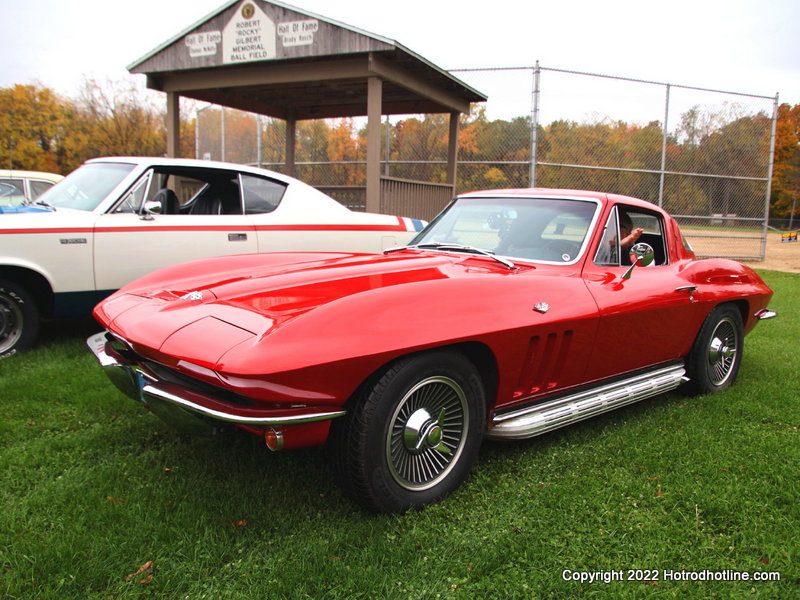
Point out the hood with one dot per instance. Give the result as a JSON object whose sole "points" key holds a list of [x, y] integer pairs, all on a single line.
{"points": [[34, 218], [24, 208], [292, 308]]}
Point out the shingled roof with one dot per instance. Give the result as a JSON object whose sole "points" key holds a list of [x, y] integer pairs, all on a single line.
{"points": [[278, 60]]}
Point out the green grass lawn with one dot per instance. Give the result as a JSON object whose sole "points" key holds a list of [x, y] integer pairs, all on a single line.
{"points": [[94, 489]]}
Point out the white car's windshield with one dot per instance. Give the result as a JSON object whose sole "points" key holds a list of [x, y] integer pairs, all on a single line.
{"points": [[539, 229], [86, 187]]}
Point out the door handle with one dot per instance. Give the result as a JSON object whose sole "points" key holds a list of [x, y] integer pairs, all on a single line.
{"points": [[237, 237], [688, 288]]}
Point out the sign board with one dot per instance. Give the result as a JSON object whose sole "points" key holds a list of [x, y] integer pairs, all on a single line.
{"points": [[250, 34], [249, 31], [203, 44], [298, 33]]}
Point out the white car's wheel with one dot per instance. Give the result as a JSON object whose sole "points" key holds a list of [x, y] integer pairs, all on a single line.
{"points": [[19, 318]]}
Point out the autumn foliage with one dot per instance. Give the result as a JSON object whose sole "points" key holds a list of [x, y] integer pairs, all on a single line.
{"points": [[786, 170], [41, 130]]}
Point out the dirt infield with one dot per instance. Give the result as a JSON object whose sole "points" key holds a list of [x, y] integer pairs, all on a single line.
{"points": [[780, 256]]}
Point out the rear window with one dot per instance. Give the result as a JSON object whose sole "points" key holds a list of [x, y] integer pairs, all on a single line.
{"points": [[261, 195]]}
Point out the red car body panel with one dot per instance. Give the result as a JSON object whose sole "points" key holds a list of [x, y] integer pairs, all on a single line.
{"points": [[353, 332], [301, 331]]}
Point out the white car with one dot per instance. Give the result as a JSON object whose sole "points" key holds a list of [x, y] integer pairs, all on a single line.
{"points": [[20, 188], [116, 219]]}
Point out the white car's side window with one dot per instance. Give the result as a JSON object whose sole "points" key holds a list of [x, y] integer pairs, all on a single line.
{"points": [[39, 187], [261, 195], [132, 201]]}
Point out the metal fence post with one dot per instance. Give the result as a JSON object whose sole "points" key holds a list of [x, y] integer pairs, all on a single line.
{"points": [[258, 141], [534, 125], [769, 176], [388, 149], [222, 133], [197, 132], [664, 129]]}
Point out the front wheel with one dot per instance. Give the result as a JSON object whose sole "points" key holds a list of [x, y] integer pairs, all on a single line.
{"points": [[19, 318], [716, 355], [411, 438]]}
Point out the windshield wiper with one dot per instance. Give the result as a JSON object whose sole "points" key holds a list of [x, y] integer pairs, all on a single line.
{"points": [[45, 204], [454, 248]]}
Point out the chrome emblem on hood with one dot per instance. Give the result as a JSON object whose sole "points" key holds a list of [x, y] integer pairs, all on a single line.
{"points": [[541, 307], [192, 296]]}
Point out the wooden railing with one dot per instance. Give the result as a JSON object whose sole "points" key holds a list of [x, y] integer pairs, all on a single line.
{"points": [[402, 197], [353, 197], [417, 199]]}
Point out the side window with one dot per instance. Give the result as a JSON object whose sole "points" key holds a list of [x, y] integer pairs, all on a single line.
{"points": [[218, 197], [608, 252], [627, 226], [132, 201], [39, 187], [645, 227], [261, 195]]}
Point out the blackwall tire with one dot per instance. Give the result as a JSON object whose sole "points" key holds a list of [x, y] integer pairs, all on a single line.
{"points": [[19, 319], [716, 355], [411, 437]]}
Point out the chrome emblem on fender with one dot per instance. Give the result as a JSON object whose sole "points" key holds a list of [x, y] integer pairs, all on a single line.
{"points": [[192, 296], [541, 307]]}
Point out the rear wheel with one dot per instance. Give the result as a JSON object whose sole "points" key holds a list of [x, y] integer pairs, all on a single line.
{"points": [[411, 438], [717, 352], [19, 318]]}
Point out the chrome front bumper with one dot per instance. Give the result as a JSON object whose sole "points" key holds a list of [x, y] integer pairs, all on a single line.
{"points": [[191, 409]]}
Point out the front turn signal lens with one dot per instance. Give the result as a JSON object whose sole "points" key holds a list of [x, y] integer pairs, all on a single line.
{"points": [[273, 436]]}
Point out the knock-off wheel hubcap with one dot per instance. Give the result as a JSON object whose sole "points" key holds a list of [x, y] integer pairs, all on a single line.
{"points": [[427, 432], [722, 351], [422, 432]]}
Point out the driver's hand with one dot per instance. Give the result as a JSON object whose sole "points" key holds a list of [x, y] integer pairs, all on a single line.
{"points": [[631, 239]]}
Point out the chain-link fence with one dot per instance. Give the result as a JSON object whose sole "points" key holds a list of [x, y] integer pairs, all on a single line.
{"points": [[704, 155]]}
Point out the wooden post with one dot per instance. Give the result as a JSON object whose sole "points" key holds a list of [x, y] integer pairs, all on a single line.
{"points": [[174, 125], [452, 148], [374, 109]]}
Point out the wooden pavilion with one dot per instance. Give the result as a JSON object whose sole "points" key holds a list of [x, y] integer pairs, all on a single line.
{"points": [[277, 60]]}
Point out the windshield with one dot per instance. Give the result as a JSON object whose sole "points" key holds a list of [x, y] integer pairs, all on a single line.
{"points": [[539, 229], [86, 187]]}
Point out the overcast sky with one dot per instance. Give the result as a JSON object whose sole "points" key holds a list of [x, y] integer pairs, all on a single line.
{"points": [[746, 46]]}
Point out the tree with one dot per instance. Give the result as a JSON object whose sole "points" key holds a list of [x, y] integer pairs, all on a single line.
{"points": [[785, 198], [118, 118], [312, 146], [32, 121], [423, 144], [346, 147]]}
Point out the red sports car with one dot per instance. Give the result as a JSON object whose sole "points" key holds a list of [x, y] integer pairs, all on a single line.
{"points": [[513, 313]]}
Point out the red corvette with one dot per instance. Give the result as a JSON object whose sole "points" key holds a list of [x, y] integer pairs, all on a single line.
{"points": [[513, 313]]}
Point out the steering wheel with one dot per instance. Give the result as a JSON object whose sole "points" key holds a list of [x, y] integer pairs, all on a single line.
{"points": [[561, 248]]}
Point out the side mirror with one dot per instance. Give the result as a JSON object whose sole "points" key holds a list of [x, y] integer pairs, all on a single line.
{"points": [[150, 208], [641, 255]]}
